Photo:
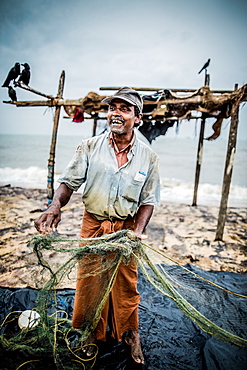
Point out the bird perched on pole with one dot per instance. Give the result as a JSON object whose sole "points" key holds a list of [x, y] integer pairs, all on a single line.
{"points": [[12, 75], [12, 93], [25, 74], [205, 66]]}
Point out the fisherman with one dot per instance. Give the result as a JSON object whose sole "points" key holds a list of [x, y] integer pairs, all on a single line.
{"points": [[122, 185]]}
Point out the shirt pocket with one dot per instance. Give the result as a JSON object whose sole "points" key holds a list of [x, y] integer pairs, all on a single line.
{"points": [[132, 191]]}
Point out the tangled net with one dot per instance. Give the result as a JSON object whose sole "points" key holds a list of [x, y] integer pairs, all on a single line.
{"points": [[54, 336]]}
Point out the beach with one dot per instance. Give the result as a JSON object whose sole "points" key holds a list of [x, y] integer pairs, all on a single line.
{"points": [[177, 233]]}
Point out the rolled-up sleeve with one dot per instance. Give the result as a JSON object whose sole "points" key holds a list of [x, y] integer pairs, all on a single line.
{"points": [[75, 173], [150, 194]]}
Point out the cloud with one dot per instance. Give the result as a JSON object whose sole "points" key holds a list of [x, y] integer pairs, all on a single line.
{"points": [[137, 43]]}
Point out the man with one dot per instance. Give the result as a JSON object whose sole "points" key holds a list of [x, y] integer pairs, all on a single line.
{"points": [[122, 183]]}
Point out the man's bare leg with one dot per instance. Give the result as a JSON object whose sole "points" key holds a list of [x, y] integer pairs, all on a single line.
{"points": [[134, 341], [88, 346]]}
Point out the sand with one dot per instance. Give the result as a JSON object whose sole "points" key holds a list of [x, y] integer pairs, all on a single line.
{"points": [[183, 233]]}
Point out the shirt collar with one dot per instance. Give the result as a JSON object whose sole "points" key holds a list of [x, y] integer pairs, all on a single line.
{"points": [[128, 147]]}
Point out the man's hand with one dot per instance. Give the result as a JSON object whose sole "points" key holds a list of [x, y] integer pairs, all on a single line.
{"points": [[135, 235], [48, 221], [141, 236]]}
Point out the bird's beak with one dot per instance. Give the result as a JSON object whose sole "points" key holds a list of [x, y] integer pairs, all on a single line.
{"points": [[22, 64]]}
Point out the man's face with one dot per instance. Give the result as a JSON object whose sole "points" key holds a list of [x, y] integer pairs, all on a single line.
{"points": [[121, 117]]}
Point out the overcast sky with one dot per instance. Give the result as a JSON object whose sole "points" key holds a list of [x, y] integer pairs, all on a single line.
{"points": [[154, 43]]}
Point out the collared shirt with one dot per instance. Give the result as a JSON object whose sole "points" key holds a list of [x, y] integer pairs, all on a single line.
{"points": [[111, 191]]}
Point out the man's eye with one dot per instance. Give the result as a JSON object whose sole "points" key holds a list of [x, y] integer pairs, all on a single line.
{"points": [[124, 109]]}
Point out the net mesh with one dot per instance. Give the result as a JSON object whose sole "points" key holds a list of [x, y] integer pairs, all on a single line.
{"points": [[100, 258]]}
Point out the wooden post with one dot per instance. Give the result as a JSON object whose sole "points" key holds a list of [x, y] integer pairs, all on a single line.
{"points": [[200, 150], [95, 119], [199, 159], [51, 160], [232, 141]]}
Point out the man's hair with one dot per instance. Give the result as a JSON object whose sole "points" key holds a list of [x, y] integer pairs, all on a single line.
{"points": [[137, 112]]}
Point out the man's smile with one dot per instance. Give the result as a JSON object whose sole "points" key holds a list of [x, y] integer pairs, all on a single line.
{"points": [[116, 120]]}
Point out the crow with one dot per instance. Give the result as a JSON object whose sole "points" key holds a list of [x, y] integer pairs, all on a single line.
{"points": [[25, 74], [205, 66], [12, 75], [12, 93]]}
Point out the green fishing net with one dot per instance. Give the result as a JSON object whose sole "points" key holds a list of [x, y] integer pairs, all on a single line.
{"points": [[58, 257]]}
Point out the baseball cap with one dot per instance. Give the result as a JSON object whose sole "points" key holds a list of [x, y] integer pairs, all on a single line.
{"points": [[127, 94]]}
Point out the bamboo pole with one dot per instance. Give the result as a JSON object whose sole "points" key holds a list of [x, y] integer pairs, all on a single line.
{"points": [[95, 119], [231, 149], [50, 103], [32, 103], [200, 150], [161, 88], [51, 160], [78, 102], [199, 159]]}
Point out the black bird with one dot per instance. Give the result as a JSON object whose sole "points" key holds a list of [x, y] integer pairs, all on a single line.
{"points": [[12, 93], [12, 75], [25, 74], [205, 66]]}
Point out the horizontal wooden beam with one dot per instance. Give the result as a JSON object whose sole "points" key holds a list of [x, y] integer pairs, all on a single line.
{"points": [[78, 102], [36, 103], [46, 103], [160, 88]]}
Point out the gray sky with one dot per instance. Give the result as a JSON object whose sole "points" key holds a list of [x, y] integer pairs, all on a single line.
{"points": [[155, 43]]}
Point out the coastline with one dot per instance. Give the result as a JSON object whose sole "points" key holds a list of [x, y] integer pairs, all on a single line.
{"points": [[183, 233]]}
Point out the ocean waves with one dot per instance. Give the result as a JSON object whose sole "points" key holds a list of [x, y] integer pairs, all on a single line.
{"points": [[172, 190], [207, 194], [32, 177]]}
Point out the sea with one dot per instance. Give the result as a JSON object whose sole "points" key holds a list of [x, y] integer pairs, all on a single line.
{"points": [[24, 158]]}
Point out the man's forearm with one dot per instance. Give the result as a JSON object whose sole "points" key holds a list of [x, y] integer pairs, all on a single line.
{"points": [[62, 195], [143, 216]]}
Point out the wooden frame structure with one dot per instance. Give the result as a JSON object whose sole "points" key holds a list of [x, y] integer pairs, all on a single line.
{"points": [[165, 107]]}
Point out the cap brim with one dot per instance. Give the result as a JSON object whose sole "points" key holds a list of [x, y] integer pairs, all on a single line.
{"points": [[111, 98]]}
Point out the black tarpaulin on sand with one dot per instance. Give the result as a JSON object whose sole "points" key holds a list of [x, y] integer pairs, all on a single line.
{"points": [[170, 340]]}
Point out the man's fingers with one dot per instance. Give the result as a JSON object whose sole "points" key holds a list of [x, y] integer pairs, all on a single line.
{"points": [[39, 223], [54, 229], [56, 221], [47, 223], [134, 235], [141, 236]]}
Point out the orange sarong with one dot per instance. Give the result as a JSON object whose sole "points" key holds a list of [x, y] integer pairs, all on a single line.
{"points": [[121, 309]]}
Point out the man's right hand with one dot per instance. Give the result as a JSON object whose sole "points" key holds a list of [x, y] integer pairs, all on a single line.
{"points": [[48, 221]]}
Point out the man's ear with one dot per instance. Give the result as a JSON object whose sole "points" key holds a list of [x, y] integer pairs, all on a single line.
{"points": [[137, 119]]}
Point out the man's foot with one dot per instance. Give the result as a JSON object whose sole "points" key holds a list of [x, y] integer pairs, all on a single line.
{"points": [[89, 346], [133, 340]]}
